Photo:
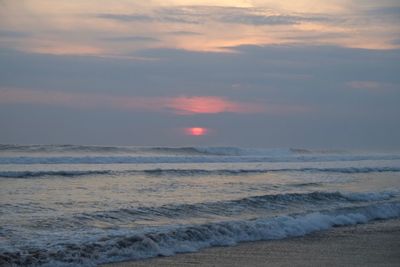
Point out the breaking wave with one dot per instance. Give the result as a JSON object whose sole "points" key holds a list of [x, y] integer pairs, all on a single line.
{"points": [[119, 245], [217, 151]]}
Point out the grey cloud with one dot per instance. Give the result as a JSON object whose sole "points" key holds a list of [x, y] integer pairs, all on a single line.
{"points": [[147, 18], [184, 33], [315, 37], [383, 16], [125, 17], [386, 11], [198, 14], [14, 34], [131, 39], [396, 41], [252, 19], [234, 15], [181, 19]]}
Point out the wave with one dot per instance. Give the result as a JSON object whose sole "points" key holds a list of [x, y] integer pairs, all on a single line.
{"points": [[190, 172], [216, 151], [128, 244], [347, 170], [223, 151], [183, 159], [37, 174], [62, 148], [228, 208], [253, 206]]}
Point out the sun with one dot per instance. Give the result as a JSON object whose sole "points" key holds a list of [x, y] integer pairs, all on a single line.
{"points": [[196, 131]]}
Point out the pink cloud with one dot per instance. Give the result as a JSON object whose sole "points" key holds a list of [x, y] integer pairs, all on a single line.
{"points": [[210, 105], [181, 105], [370, 85]]}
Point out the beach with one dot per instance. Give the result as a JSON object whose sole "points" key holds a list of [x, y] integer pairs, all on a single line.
{"points": [[372, 244]]}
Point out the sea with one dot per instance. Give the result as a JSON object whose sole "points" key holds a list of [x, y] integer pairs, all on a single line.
{"points": [[73, 205]]}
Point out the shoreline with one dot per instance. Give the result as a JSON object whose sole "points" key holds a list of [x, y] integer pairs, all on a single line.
{"points": [[372, 244]]}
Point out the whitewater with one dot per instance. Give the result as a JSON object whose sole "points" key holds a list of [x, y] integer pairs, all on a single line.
{"points": [[71, 205]]}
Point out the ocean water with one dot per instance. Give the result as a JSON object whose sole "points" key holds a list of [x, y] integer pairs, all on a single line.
{"points": [[86, 205]]}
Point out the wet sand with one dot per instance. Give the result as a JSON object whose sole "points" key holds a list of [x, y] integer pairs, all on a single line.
{"points": [[372, 244]]}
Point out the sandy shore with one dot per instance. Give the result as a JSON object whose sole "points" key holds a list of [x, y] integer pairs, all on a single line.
{"points": [[373, 244]]}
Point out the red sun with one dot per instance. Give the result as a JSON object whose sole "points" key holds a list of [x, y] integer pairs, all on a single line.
{"points": [[196, 131]]}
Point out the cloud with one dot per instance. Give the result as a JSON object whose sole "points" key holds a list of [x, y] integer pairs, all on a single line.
{"points": [[131, 39], [180, 105], [14, 34], [202, 14], [125, 17], [396, 41], [236, 15], [385, 11], [184, 33], [251, 19], [211, 105], [370, 85]]}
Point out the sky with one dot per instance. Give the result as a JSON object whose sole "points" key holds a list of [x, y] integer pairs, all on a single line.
{"points": [[250, 73]]}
